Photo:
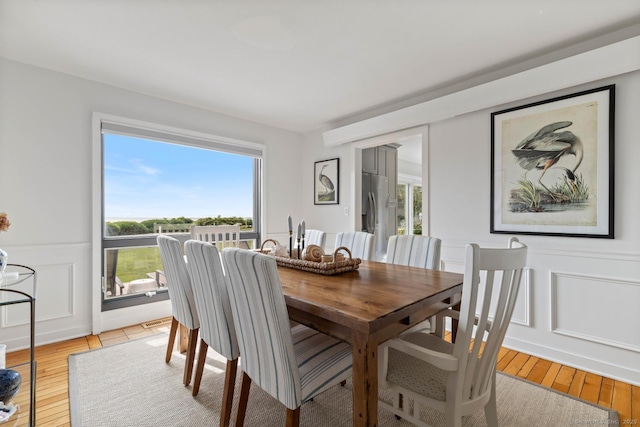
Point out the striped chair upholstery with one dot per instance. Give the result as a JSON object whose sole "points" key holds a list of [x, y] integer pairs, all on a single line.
{"points": [[360, 243], [414, 251], [183, 307], [291, 364], [214, 311], [315, 237]]}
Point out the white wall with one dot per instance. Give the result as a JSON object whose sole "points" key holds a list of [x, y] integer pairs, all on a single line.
{"points": [[45, 187], [580, 297], [580, 305]]}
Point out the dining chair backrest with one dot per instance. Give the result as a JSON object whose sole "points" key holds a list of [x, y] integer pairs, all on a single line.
{"points": [[262, 324], [222, 236], [211, 298], [183, 305], [360, 243], [315, 237], [414, 251], [492, 279]]}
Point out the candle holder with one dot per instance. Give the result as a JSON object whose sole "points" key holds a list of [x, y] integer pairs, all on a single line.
{"points": [[290, 244]]}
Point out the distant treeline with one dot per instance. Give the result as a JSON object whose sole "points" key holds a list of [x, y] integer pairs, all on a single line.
{"points": [[129, 228]]}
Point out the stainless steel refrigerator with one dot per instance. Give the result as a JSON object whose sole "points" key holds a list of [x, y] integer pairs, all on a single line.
{"points": [[378, 211]]}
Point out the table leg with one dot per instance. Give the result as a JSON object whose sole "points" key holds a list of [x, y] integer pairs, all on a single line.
{"points": [[365, 380]]}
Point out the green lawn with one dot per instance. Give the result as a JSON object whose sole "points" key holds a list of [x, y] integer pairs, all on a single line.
{"points": [[135, 263]]}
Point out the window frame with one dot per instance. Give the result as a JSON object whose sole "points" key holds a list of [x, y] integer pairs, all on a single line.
{"points": [[104, 123]]}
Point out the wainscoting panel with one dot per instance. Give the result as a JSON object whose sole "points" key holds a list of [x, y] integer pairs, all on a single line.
{"points": [[63, 295], [54, 285], [583, 305]]}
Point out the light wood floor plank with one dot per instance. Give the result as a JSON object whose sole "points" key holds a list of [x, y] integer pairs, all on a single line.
{"points": [[550, 377], [539, 371], [635, 405], [622, 400], [563, 379], [591, 388]]}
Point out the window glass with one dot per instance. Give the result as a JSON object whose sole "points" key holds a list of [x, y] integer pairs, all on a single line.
{"points": [[151, 187], [402, 209], [417, 209]]}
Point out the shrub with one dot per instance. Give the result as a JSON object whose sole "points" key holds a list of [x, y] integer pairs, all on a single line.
{"points": [[129, 228]]}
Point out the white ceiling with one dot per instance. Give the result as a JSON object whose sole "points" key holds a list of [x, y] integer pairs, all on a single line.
{"points": [[300, 65]]}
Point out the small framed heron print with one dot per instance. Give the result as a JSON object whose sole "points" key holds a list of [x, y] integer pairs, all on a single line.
{"points": [[552, 166], [326, 182]]}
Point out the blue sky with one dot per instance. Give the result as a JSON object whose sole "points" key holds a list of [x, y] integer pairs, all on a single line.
{"points": [[150, 179]]}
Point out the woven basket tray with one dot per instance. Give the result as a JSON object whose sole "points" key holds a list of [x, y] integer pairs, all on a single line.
{"points": [[326, 268]]}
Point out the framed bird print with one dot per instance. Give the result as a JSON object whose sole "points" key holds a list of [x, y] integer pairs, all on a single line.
{"points": [[552, 166], [325, 182]]}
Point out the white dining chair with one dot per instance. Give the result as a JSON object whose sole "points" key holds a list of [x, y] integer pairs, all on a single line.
{"points": [[291, 364], [315, 237], [360, 243], [222, 236], [424, 370], [415, 251], [216, 321], [183, 307]]}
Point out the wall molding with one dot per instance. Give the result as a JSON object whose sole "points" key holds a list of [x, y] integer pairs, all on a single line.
{"points": [[598, 254], [555, 326]]}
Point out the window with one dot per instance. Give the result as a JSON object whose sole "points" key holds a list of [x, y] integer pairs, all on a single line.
{"points": [[409, 207], [155, 182]]}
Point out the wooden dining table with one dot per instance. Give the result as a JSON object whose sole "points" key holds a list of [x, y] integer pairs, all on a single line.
{"points": [[365, 308]]}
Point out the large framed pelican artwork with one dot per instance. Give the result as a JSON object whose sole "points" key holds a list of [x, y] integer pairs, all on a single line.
{"points": [[552, 166], [325, 182]]}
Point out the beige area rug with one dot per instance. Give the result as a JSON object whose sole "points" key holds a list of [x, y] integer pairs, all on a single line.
{"points": [[129, 384]]}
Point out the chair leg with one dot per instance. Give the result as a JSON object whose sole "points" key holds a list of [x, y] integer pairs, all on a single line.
{"points": [[245, 386], [490, 409], [191, 355], [172, 339], [202, 358], [227, 395], [293, 417]]}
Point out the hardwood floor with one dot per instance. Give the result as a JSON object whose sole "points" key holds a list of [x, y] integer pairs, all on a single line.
{"points": [[52, 399]]}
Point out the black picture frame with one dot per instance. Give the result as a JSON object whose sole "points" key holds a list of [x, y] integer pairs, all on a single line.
{"points": [[552, 166], [326, 182]]}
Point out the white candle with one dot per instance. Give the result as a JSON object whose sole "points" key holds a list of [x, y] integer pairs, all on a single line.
{"points": [[303, 227], [290, 224], [299, 231]]}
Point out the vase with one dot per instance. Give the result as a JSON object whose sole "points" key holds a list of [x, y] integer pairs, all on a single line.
{"points": [[9, 384], [4, 258]]}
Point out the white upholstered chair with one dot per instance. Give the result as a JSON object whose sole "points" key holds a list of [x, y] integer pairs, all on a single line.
{"points": [[360, 243], [291, 364], [315, 237], [222, 236], [458, 379], [214, 311], [415, 251], [183, 308]]}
